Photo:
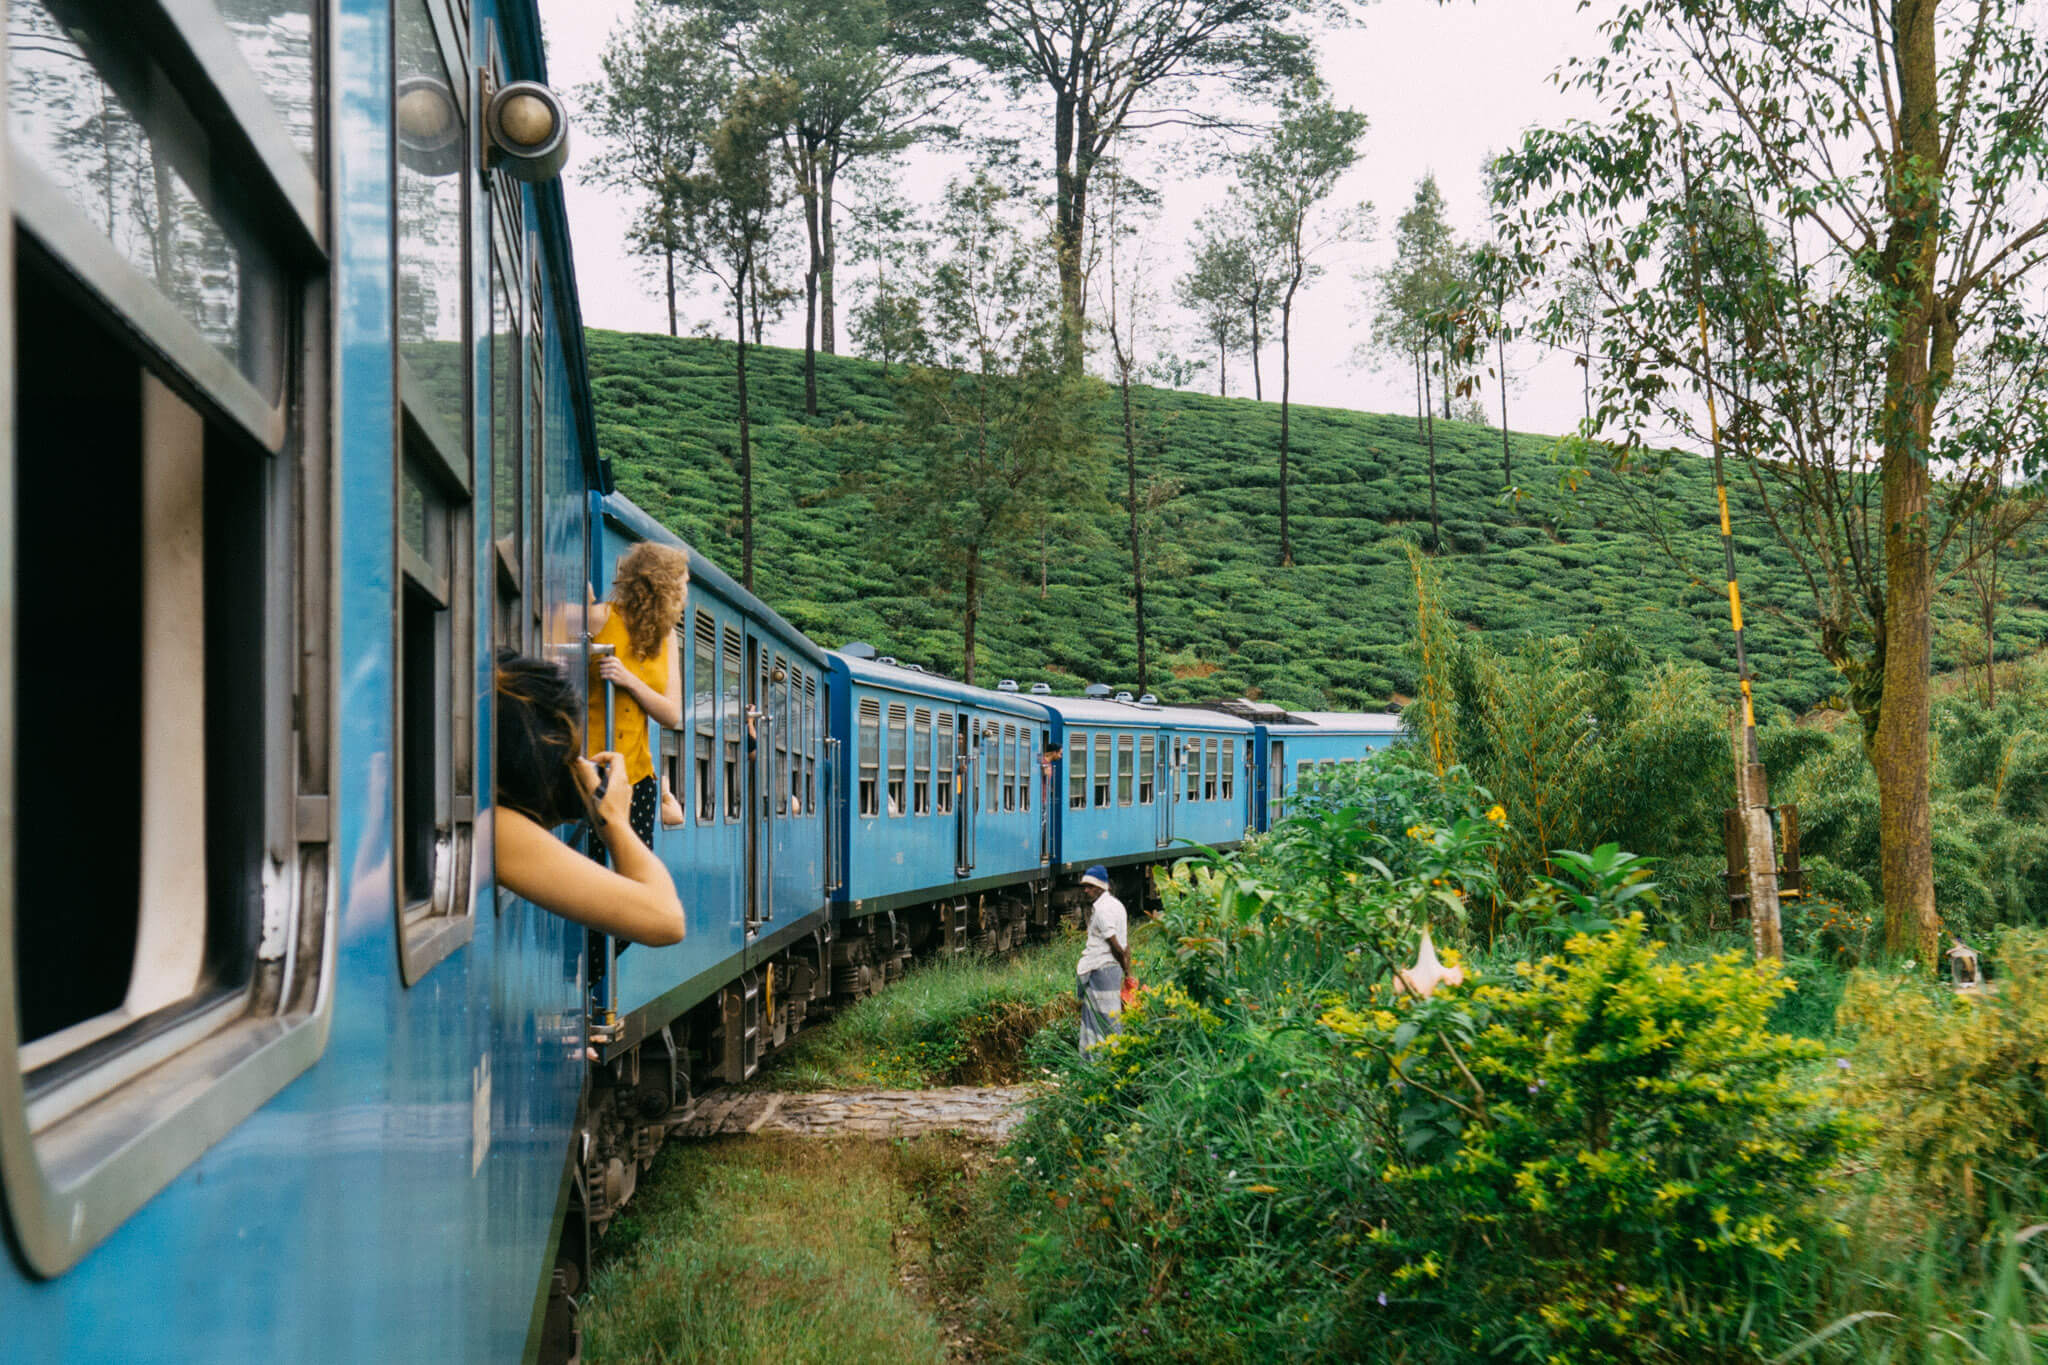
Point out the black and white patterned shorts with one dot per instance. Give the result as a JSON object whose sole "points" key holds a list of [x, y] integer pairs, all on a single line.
{"points": [[646, 801]]}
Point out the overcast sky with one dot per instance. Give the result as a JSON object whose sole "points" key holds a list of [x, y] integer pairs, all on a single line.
{"points": [[1443, 84]]}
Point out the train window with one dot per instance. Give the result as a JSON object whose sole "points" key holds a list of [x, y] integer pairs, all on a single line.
{"points": [[942, 799], [870, 757], [507, 455], [1302, 770], [166, 953], [1077, 770], [1209, 773], [1009, 767], [1327, 765], [1194, 769], [672, 764], [1102, 767], [536, 446], [1229, 767], [810, 743], [784, 719], [1146, 756], [704, 717], [921, 738], [899, 747], [731, 671], [991, 762], [1125, 769], [1027, 766]]}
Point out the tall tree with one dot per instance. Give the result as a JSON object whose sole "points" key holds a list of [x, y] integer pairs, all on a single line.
{"points": [[1126, 318], [1209, 291], [991, 436], [1111, 70], [1416, 293], [651, 110], [1287, 179], [727, 211], [1235, 259], [1895, 153], [860, 97]]}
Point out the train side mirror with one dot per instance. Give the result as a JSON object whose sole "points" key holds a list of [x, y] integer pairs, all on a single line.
{"points": [[526, 131]]}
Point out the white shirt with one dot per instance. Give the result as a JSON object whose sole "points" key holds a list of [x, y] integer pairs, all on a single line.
{"points": [[1106, 921]]}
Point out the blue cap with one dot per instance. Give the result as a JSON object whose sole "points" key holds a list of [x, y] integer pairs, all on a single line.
{"points": [[1097, 873]]}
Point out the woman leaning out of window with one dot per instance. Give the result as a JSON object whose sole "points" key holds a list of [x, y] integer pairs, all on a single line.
{"points": [[542, 781]]}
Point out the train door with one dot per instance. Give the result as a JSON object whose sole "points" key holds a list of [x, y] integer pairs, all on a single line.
{"points": [[1276, 782], [752, 790], [966, 791], [1163, 788]]}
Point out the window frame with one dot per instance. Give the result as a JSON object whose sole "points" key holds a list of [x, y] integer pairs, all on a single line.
{"points": [[704, 700], [1126, 766], [867, 770], [896, 760], [944, 759], [921, 761], [1148, 769], [1228, 773], [1209, 773], [1104, 770], [1077, 770]]}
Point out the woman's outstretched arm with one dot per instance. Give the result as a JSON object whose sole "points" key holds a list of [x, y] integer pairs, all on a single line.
{"points": [[636, 901]]}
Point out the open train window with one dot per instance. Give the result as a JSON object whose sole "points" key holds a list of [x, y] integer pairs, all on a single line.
{"points": [[1145, 770], [730, 674], [1027, 763], [162, 960], [1126, 767], [1077, 770], [921, 740], [1103, 767], [1209, 774], [942, 799], [784, 719], [1194, 769], [704, 716], [810, 777], [1229, 767], [1009, 767], [870, 757], [672, 764], [899, 747]]}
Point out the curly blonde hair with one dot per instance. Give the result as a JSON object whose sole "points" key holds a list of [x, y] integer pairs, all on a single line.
{"points": [[648, 592]]}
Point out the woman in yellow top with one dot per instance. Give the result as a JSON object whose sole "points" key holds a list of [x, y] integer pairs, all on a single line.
{"points": [[639, 622]]}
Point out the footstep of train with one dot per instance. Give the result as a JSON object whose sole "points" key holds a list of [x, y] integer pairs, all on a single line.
{"points": [[987, 1112]]}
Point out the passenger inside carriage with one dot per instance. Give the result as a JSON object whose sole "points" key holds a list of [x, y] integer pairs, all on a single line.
{"points": [[543, 781]]}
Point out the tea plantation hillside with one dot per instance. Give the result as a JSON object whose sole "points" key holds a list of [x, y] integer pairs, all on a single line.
{"points": [[1223, 619]]}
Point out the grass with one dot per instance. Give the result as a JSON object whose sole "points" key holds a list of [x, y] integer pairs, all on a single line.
{"points": [[779, 1249], [962, 1021]]}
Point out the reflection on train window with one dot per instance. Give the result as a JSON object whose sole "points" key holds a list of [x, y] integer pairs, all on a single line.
{"points": [[704, 709], [899, 746], [1209, 773], [921, 738], [1125, 769], [731, 671], [1145, 770], [943, 798], [870, 756], [1077, 770], [277, 41], [1102, 768], [1229, 767]]}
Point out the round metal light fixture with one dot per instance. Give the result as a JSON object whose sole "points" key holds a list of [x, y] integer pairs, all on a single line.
{"points": [[526, 131]]}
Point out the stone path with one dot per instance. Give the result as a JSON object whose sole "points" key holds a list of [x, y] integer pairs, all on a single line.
{"points": [[987, 1112]]}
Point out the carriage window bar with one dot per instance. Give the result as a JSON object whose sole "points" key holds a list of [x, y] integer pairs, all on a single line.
{"points": [[921, 794], [899, 746], [870, 757], [1077, 770], [704, 717], [1229, 767], [942, 799], [730, 674], [1145, 770], [1102, 768], [1209, 773]]}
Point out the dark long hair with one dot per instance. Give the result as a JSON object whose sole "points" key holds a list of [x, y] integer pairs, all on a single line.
{"points": [[537, 740]]}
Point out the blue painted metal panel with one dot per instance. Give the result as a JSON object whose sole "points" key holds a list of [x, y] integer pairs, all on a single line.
{"points": [[1115, 823]]}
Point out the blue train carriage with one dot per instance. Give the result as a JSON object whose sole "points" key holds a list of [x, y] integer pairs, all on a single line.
{"points": [[285, 1079], [943, 837], [1293, 743], [1142, 780]]}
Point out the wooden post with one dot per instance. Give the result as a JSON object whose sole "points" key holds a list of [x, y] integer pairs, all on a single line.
{"points": [[1752, 800]]}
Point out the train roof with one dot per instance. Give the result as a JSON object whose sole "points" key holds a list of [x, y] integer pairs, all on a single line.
{"points": [[1355, 722], [1095, 711], [631, 517], [903, 678]]}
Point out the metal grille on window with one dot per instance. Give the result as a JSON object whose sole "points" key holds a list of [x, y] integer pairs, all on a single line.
{"points": [[870, 758], [921, 739]]}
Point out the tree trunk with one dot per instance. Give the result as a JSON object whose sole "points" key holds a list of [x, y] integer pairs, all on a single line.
{"points": [[1070, 196], [1507, 461], [1131, 496], [1222, 369], [1445, 352], [812, 270], [1907, 270], [828, 330], [668, 255], [1258, 389], [746, 440], [1436, 529], [1286, 380], [1421, 401], [1989, 601]]}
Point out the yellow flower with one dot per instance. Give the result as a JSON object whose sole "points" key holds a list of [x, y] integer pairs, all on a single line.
{"points": [[1498, 815], [1418, 832]]}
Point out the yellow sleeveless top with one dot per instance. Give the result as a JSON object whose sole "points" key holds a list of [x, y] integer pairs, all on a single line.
{"points": [[628, 719]]}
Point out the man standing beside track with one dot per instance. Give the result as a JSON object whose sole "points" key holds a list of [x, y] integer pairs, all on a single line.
{"points": [[1105, 962]]}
